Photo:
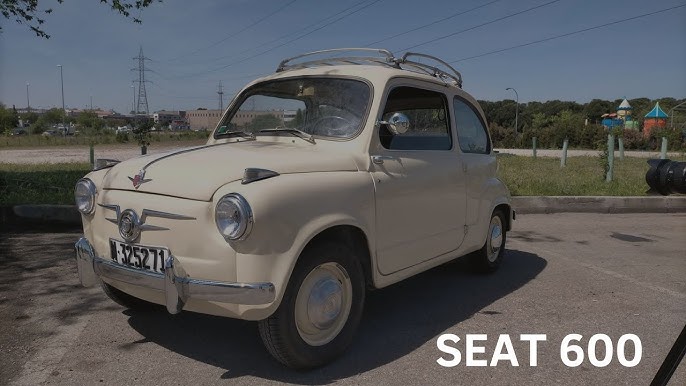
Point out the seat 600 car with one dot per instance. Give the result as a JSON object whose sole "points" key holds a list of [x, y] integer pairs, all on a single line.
{"points": [[334, 175]]}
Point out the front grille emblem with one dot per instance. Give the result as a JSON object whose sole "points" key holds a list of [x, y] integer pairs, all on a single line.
{"points": [[139, 179], [129, 226]]}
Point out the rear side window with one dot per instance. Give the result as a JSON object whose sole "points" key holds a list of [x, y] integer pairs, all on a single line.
{"points": [[429, 127], [471, 131]]}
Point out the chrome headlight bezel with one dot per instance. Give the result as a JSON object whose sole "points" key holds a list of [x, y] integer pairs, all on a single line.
{"points": [[84, 195], [233, 202]]}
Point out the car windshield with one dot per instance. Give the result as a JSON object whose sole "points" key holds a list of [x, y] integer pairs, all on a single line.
{"points": [[321, 107]]}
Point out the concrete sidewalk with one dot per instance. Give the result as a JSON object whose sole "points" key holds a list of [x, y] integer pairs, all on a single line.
{"points": [[68, 215]]}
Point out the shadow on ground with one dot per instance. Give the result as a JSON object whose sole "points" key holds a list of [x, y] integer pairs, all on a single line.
{"points": [[397, 320], [39, 290]]}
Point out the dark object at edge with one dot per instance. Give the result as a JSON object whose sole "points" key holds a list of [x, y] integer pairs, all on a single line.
{"points": [[666, 177], [676, 354]]}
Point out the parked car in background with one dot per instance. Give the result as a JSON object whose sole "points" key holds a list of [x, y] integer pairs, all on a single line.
{"points": [[386, 169], [19, 131], [51, 133]]}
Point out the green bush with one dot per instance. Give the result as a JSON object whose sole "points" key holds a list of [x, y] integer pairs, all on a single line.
{"points": [[122, 137]]}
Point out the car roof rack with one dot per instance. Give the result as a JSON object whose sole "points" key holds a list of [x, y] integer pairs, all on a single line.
{"points": [[384, 58]]}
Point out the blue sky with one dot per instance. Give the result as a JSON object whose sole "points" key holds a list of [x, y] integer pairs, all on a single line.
{"points": [[189, 43]]}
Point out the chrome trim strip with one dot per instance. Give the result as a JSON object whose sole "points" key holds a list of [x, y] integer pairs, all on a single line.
{"points": [[183, 152], [144, 214], [116, 210], [177, 289], [156, 213]]}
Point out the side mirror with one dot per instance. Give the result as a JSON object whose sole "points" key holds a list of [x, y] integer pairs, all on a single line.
{"points": [[398, 123]]}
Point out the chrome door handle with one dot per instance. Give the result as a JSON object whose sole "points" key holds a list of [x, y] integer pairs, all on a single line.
{"points": [[378, 159]]}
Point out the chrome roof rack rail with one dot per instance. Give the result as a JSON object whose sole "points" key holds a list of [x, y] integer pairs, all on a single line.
{"points": [[456, 77], [385, 58]]}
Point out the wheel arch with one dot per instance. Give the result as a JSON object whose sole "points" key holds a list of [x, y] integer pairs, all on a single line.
{"points": [[353, 236], [506, 208]]}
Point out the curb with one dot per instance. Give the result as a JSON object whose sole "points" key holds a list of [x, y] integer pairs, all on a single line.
{"points": [[599, 204], [68, 215], [55, 214]]}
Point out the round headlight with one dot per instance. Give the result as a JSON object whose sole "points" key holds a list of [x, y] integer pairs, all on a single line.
{"points": [[233, 216], [85, 196]]}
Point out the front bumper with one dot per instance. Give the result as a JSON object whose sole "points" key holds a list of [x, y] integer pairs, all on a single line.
{"points": [[177, 290]]}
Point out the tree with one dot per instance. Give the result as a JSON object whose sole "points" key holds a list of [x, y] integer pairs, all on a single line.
{"points": [[9, 119], [52, 116], [30, 13], [90, 121], [267, 121], [142, 135]]}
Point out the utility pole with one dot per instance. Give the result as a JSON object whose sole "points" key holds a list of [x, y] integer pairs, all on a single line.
{"points": [[64, 117], [142, 95], [133, 104], [517, 109], [220, 91], [91, 102], [28, 102]]}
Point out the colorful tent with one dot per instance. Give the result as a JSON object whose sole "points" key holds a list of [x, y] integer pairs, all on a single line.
{"points": [[656, 118]]}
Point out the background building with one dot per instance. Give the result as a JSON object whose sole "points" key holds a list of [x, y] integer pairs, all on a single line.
{"points": [[203, 119], [208, 119], [165, 117]]}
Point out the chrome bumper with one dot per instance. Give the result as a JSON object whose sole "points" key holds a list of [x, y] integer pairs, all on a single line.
{"points": [[177, 290]]}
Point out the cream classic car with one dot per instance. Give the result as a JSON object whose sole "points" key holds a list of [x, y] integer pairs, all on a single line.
{"points": [[333, 175]]}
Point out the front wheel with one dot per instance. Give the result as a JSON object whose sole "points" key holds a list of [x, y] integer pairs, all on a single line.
{"points": [[489, 257], [320, 309]]}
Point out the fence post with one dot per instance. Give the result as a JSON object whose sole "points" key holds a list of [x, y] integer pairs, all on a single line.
{"points": [[534, 148], [563, 160], [663, 150], [621, 148], [91, 156], [610, 157]]}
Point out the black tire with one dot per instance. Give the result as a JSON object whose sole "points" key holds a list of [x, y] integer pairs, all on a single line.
{"points": [[281, 333], [487, 260], [126, 300]]}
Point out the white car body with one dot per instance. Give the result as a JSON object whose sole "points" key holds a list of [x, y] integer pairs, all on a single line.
{"points": [[406, 211]]}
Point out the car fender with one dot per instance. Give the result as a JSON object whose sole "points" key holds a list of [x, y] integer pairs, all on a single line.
{"points": [[288, 212]]}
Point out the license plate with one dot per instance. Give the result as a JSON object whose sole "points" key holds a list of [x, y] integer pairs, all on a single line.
{"points": [[138, 256]]}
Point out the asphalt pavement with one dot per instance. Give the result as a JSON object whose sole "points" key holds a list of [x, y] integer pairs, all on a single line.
{"points": [[612, 274]]}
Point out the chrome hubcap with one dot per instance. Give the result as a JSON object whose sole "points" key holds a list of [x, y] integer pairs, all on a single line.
{"points": [[495, 238], [323, 304]]}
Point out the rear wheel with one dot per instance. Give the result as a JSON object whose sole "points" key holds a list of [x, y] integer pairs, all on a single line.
{"points": [[126, 300], [489, 257], [320, 309]]}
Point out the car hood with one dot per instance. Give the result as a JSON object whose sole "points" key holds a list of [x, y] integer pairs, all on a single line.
{"points": [[196, 173]]}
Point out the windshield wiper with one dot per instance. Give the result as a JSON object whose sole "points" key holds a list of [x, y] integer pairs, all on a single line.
{"points": [[236, 133], [298, 133]]}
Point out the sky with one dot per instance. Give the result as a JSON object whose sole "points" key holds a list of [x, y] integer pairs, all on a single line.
{"points": [[192, 46]]}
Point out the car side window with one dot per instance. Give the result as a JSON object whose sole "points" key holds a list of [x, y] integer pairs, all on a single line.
{"points": [[427, 115], [471, 132]]}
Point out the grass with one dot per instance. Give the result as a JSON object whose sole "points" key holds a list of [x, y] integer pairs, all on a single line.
{"points": [[524, 176], [40, 184], [583, 176]]}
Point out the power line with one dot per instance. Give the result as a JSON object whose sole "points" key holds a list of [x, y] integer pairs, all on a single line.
{"points": [[568, 34], [480, 25], [283, 44], [290, 34], [236, 33], [432, 23]]}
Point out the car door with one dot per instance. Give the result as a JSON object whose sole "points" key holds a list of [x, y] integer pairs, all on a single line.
{"points": [[419, 182], [479, 163]]}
